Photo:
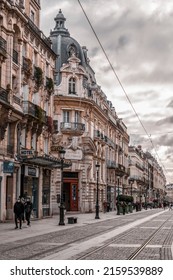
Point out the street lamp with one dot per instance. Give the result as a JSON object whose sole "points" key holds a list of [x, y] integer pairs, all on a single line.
{"points": [[97, 198], [118, 206], [61, 207]]}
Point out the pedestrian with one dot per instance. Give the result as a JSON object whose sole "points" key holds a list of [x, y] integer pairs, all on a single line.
{"points": [[28, 209], [124, 207], [23, 201], [164, 205], [170, 206], [104, 206], [19, 212]]}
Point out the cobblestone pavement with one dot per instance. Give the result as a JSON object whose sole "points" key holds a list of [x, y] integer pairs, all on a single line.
{"points": [[46, 240]]}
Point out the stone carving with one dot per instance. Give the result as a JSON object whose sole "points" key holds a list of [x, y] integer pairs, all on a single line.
{"points": [[74, 144], [56, 139]]}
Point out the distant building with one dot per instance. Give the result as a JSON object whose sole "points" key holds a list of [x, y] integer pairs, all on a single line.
{"points": [[169, 192], [146, 177]]}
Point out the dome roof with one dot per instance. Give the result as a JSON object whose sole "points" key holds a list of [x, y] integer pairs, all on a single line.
{"points": [[64, 45]]}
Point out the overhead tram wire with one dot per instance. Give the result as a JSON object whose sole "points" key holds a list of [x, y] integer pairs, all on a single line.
{"points": [[117, 79], [121, 85]]}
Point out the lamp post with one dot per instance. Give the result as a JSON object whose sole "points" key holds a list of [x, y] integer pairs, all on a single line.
{"points": [[97, 197], [61, 207], [118, 206]]}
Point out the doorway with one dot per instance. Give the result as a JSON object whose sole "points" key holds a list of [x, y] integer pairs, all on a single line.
{"points": [[70, 194], [9, 197]]}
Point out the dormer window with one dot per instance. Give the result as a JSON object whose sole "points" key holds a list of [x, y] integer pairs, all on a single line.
{"points": [[72, 86]]}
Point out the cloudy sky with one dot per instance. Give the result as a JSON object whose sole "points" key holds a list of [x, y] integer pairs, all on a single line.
{"points": [[137, 36]]}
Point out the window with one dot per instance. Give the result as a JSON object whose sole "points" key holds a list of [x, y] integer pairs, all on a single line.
{"points": [[72, 86], [46, 146], [66, 116], [77, 117], [23, 138], [34, 141], [32, 16]]}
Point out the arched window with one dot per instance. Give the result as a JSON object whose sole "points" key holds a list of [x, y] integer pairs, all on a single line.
{"points": [[72, 86]]}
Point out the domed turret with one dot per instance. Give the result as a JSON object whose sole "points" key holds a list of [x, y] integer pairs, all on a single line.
{"points": [[60, 25], [64, 45]]}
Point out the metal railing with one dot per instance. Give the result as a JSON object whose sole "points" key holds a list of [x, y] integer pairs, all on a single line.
{"points": [[3, 44], [3, 95], [15, 56], [72, 126]]}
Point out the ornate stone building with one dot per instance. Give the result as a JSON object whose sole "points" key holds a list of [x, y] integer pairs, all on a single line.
{"points": [[147, 179], [87, 126], [26, 99]]}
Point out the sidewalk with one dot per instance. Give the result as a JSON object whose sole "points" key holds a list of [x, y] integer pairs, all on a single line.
{"points": [[46, 225]]}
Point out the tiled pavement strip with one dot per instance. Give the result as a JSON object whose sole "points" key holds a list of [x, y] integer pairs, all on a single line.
{"points": [[39, 227]]}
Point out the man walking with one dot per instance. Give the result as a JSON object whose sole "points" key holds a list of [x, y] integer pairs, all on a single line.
{"points": [[28, 209], [19, 212]]}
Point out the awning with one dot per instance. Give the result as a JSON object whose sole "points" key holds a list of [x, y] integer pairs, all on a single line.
{"points": [[46, 161]]}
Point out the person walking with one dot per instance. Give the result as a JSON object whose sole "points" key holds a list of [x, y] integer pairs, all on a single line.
{"points": [[19, 212], [28, 209]]}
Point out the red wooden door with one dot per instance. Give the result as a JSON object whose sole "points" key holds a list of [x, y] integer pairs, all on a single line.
{"points": [[74, 196]]}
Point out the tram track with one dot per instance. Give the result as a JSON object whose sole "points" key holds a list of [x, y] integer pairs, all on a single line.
{"points": [[34, 252], [133, 255], [43, 238]]}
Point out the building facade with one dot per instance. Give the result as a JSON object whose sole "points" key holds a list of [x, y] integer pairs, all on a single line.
{"points": [[26, 99], [147, 180], [87, 127]]}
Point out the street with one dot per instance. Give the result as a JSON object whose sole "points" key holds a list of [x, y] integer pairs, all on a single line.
{"points": [[112, 237]]}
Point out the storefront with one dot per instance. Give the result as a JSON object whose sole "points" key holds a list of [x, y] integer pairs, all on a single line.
{"points": [[46, 192], [70, 190], [30, 185]]}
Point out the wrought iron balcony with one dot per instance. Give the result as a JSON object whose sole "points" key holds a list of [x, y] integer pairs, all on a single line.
{"points": [[35, 111], [111, 164], [72, 128], [3, 47], [15, 57], [4, 95], [29, 108]]}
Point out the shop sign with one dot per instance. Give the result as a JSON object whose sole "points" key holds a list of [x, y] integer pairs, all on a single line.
{"points": [[31, 171], [26, 152], [73, 155], [8, 167]]}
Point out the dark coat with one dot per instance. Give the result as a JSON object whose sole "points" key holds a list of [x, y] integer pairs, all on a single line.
{"points": [[18, 208], [28, 207]]}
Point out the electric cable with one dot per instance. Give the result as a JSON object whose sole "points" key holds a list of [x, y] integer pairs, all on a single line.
{"points": [[120, 83]]}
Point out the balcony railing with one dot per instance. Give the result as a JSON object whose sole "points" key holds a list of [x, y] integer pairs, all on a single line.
{"points": [[3, 49], [17, 99], [29, 108], [79, 128], [111, 164], [3, 95], [40, 114], [15, 57], [35, 111], [3, 44]]}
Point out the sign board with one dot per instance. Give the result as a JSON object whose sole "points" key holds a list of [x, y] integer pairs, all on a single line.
{"points": [[31, 171], [26, 152], [75, 155], [8, 167]]}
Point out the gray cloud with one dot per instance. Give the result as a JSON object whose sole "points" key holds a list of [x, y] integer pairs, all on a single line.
{"points": [[136, 36]]}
